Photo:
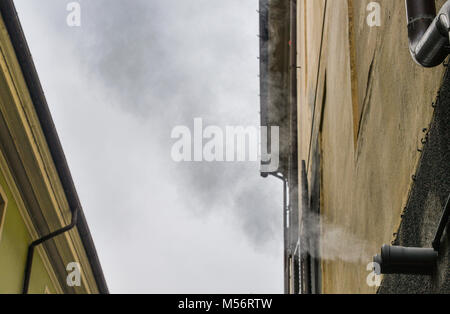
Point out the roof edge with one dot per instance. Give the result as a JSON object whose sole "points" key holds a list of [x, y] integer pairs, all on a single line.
{"points": [[17, 36]]}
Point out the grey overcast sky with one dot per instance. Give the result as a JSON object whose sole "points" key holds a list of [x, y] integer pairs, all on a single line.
{"points": [[116, 87]]}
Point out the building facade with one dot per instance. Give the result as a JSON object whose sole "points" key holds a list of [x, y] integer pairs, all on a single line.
{"points": [[373, 146], [44, 238]]}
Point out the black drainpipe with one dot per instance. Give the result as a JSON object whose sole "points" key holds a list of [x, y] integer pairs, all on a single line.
{"points": [[428, 34], [26, 281], [442, 224]]}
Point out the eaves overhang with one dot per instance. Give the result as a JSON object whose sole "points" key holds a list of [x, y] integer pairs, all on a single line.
{"points": [[274, 72], [18, 40]]}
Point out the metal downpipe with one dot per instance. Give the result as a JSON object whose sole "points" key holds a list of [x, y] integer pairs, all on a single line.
{"points": [[285, 231], [29, 264]]}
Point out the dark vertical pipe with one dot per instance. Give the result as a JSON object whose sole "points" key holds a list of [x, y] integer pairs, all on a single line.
{"points": [[442, 225]]}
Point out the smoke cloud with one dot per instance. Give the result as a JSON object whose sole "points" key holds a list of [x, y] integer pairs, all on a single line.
{"points": [[117, 86]]}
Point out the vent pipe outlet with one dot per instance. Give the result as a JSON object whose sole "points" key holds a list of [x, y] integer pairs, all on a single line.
{"points": [[403, 260]]}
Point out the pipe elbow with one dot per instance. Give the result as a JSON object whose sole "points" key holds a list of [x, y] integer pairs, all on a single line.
{"points": [[428, 34]]}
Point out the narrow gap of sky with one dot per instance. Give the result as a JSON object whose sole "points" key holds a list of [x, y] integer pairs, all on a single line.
{"points": [[116, 87]]}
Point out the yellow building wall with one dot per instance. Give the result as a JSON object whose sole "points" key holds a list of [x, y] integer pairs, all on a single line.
{"points": [[370, 103], [24, 142], [14, 242]]}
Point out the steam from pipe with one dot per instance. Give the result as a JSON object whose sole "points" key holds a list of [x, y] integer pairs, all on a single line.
{"points": [[336, 243]]}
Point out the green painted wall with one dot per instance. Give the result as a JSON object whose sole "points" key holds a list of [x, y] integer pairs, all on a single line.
{"points": [[14, 243]]}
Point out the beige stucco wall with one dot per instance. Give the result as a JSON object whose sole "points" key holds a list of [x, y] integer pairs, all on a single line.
{"points": [[384, 104]]}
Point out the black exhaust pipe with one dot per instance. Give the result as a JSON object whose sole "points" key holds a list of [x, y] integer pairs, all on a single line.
{"points": [[416, 261], [428, 34], [404, 260]]}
